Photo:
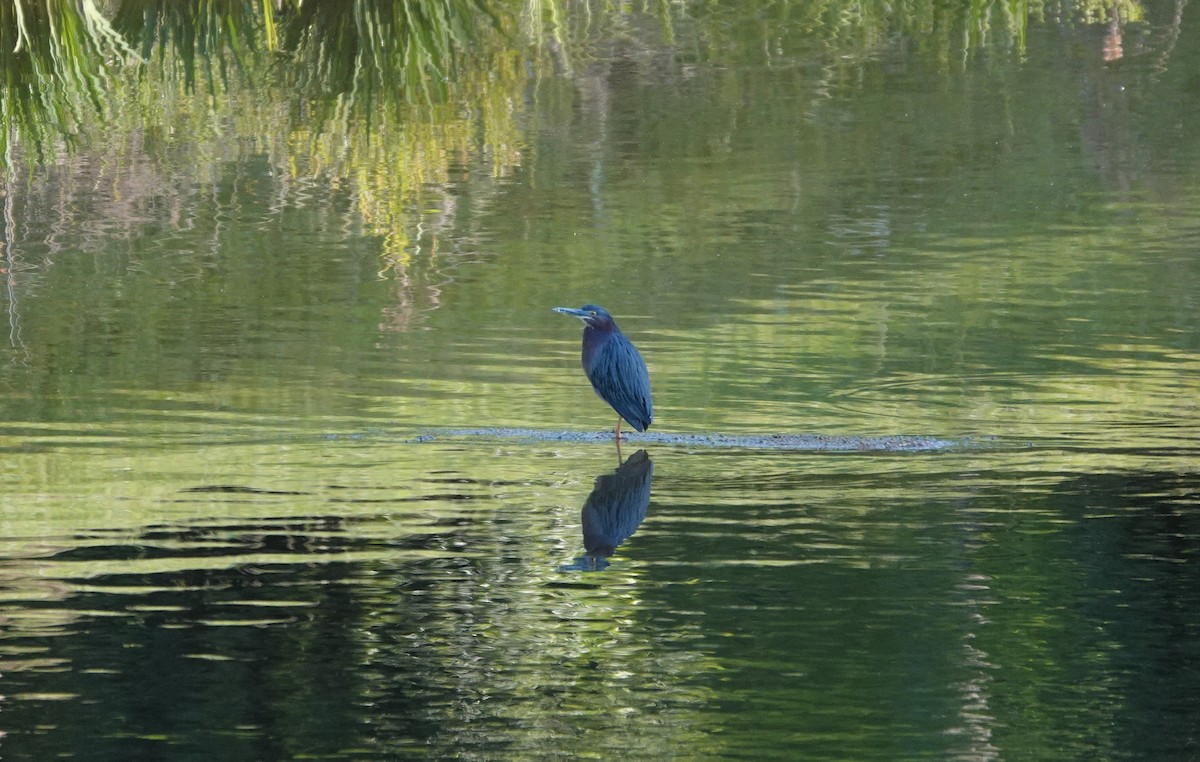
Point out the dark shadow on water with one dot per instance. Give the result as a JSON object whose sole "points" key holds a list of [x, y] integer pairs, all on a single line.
{"points": [[613, 511]]}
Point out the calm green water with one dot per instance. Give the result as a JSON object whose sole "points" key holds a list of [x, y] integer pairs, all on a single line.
{"points": [[241, 519]]}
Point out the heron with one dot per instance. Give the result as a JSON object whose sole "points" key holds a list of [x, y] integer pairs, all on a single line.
{"points": [[614, 366]]}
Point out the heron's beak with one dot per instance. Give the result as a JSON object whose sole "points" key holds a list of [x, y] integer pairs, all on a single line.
{"points": [[581, 314]]}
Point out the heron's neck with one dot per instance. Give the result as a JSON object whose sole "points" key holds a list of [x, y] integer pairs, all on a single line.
{"points": [[593, 339]]}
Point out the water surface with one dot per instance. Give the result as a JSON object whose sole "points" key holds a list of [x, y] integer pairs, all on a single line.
{"points": [[271, 490]]}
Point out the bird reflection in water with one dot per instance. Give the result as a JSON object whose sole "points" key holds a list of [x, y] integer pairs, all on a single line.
{"points": [[614, 511]]}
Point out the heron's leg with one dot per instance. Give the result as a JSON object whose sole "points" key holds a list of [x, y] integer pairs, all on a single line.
{"points": [[618, 429]]}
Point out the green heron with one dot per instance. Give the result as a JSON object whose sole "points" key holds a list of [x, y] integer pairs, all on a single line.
{"points": [[614, 366]]}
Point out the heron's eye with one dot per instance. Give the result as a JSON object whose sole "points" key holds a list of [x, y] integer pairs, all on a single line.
{"points": [[592, 313]]}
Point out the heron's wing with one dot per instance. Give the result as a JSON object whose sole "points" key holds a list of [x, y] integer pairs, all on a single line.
{"points": [[619, 376]]}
